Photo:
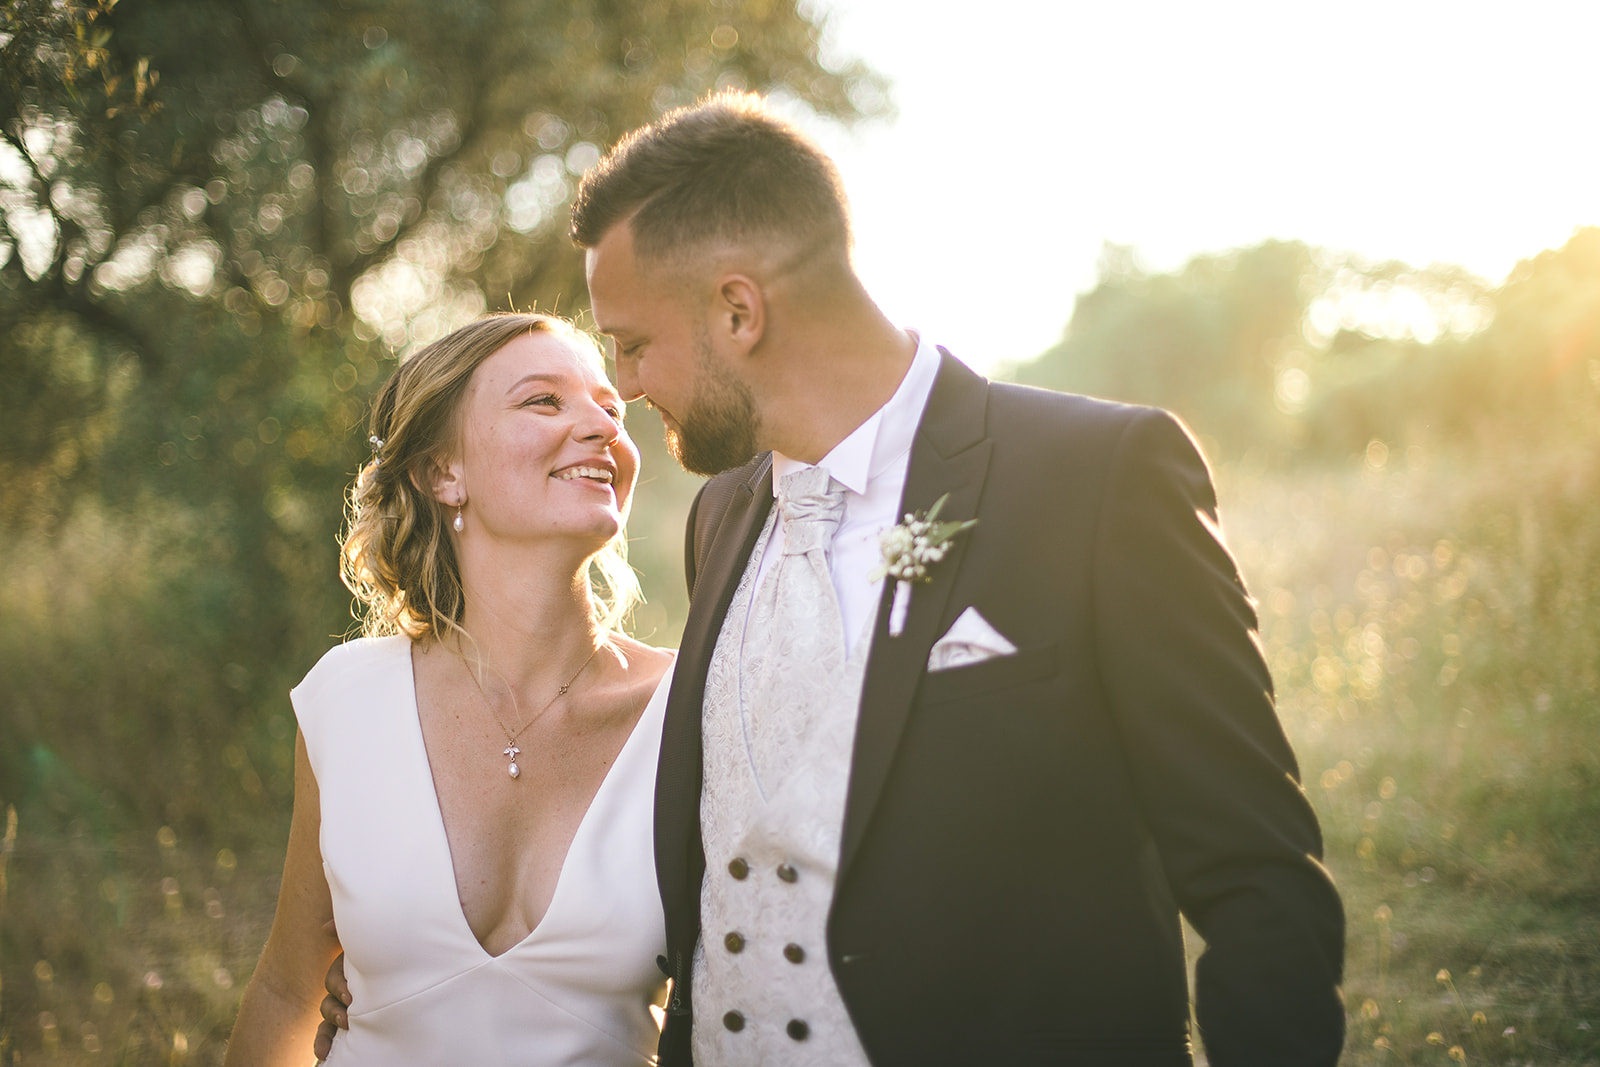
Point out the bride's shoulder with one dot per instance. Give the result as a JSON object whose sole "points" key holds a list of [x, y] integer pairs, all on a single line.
{"points": [[644, 664], [353, 661]]}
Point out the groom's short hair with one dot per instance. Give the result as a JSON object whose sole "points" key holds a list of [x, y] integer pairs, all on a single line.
{"points": [[725, 171]]}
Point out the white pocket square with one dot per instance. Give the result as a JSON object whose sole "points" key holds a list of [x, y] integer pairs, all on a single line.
{"points": [[970, 639]]}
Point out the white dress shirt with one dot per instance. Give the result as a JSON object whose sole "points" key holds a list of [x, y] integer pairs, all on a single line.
{"points": [[871, 464]]}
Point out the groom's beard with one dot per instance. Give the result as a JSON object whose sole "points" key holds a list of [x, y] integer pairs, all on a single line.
{"points": [[721, 428]]}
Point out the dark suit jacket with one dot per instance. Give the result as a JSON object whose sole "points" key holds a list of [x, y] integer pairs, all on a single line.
{"points": [[1020, 834]]}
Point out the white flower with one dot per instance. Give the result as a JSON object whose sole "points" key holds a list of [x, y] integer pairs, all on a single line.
{"points": [[913, 546], [909, 549]]}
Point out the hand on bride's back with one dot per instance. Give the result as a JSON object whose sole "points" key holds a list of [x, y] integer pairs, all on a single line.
{"points": [[334, 1015]]}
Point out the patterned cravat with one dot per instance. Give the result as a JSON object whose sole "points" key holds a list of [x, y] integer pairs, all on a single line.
{"points": [[794, 644]]}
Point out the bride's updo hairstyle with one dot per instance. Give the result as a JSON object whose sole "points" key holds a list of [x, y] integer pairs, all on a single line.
{"points": [[398, 558]]}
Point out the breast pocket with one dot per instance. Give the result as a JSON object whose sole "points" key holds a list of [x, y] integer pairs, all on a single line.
{"points": [[992, 676]]}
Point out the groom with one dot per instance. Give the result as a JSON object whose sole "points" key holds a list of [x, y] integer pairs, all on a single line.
{"points": [[949, 816]]}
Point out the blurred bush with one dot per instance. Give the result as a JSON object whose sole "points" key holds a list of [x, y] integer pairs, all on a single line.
{"points": [[1292, 354]]}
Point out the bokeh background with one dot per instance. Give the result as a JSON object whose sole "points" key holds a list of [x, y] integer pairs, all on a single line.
{"points": [[221, 223]]}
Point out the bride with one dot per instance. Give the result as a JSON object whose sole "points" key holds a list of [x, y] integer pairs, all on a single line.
{"points": [[474, 777]]}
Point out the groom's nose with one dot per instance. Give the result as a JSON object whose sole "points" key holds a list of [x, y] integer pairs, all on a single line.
{"points": [[627, 380]]}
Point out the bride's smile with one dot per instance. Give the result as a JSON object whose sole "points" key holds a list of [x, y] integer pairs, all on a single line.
{"points": [[542, 404]]}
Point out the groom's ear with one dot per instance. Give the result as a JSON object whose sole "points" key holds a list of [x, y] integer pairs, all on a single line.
{"points": [[739, 310]]}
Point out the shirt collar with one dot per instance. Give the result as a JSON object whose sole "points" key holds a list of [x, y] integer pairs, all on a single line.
{"points": [[886, 435]]}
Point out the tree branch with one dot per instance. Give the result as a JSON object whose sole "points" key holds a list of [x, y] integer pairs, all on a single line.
{"points": [[319, 139], [57, 294], [428, 184]]}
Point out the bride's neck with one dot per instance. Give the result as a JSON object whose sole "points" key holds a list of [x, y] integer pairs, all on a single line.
{"points": [[528, 615]]}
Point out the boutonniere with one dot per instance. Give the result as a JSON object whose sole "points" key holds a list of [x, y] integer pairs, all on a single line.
{"points": [[909, 549]]}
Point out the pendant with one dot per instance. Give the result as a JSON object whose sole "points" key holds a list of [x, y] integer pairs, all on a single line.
{"points": [[512, 751]]}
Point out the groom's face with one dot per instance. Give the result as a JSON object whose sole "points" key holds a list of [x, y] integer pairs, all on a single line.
{"points": [[665, 353], [720, 429]]}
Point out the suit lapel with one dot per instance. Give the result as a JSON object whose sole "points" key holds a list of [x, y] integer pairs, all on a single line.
{"points": [[679, 861], [950, 454]]}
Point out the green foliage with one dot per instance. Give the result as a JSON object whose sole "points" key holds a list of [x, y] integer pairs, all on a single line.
{"points": [[1202, 342], [1293, 353]]}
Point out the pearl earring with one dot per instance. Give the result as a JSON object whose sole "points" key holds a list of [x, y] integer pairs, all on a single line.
{"points": [[459, 523]]}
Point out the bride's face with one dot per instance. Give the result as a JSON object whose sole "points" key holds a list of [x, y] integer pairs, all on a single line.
{"points": [[542, 448]]}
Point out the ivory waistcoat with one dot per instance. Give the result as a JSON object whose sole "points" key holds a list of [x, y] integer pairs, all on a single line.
{"points": [[771, 815]]}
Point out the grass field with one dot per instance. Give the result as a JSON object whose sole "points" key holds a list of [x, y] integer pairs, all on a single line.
{"points": [[1433, 624]]}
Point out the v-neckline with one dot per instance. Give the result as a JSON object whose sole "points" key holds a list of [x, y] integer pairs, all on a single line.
{"points": [[454, 883]]}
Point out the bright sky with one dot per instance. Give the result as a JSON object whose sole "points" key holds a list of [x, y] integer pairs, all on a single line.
{"points": [[1031, 131]]}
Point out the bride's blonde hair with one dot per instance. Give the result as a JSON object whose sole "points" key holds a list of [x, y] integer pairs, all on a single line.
{"points": [[397, 557]]}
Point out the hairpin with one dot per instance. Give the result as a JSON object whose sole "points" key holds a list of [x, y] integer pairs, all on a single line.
{"points": [[377, 448]]}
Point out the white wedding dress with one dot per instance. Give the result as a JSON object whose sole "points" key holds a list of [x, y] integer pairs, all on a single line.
{"points": [[576, 990]]}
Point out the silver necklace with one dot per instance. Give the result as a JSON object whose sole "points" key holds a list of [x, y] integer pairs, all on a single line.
{"points": [[511, 751]]}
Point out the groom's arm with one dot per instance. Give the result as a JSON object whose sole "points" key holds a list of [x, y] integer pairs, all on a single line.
{"points": [[1218, 784]]}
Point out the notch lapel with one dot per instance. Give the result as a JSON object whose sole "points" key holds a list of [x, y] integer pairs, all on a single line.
{"points": [[950, 454], [679, 860]]}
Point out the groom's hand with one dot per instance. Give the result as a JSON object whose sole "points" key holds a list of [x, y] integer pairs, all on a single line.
{"points": [[334, 1005]]}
